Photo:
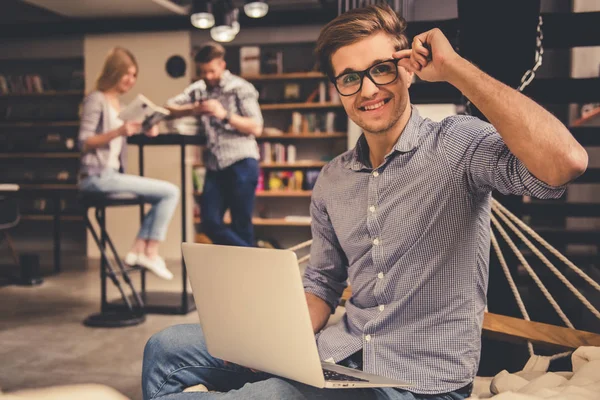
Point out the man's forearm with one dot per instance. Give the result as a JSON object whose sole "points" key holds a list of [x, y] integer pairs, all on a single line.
{"points": [[319, 311], [532, 134], [181, 111], [245, 125]]}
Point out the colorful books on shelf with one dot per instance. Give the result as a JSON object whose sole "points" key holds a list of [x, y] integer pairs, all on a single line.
{"points": [[312, 122], [294, 180], [282, 180], [18, 84], [35, 83], [277, 153]]}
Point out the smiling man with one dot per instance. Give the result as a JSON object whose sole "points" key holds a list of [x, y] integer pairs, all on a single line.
{"points": [[403, 217]]}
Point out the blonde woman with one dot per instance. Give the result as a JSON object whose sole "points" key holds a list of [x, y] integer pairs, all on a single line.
{"points": [[103, 143]]}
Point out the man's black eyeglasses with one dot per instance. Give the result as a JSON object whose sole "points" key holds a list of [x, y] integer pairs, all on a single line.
{"points": [[382, 73]]}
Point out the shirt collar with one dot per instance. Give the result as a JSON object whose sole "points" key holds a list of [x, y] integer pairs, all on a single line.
{"points": [[224, 78], [408, 141]]}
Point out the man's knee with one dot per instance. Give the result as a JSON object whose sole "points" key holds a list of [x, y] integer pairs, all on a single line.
{"points": [[211, 225], [275, 388], [171, 341]]}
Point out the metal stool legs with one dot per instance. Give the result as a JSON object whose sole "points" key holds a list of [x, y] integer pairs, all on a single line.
{"points": [[134, 315]]}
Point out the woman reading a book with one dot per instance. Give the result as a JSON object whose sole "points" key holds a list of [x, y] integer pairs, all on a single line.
{"points": [[103, 143]]}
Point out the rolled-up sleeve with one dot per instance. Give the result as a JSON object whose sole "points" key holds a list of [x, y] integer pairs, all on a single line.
{"points": [[90, 118], [476, 149], [326, 273], [248, 105], [182, 98]]}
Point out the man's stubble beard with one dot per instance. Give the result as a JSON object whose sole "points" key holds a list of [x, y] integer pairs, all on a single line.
{"points": [[393, 121]]}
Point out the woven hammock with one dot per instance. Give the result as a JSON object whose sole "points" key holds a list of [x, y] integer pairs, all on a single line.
{"points": [[525, 330]]}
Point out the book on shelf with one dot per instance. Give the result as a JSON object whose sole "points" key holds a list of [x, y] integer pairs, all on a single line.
{"points": [[21, 84], [312, 122], [334, 96], [276, 153], [250, 60], [281, 181], [291, 92], [272, 62], [322, 92], [141, 109]]}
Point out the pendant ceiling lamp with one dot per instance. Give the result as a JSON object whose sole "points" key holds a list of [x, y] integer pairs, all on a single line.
{"points": [[226, 23], [222, 17], [256, 8], [202, 14]]}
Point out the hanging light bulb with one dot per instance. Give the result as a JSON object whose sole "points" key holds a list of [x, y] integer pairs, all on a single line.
{"points": [[226, 25], [202, 16], [256, 8]]}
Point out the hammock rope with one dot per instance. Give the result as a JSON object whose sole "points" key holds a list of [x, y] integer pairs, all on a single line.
{"points": [[519, 228]]}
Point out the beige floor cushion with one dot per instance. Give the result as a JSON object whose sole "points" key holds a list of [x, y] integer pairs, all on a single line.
{"points": [[66, 392]]}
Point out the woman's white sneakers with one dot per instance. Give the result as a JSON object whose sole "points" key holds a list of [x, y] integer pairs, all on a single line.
{"points": [[155, 264], [131, 258]]}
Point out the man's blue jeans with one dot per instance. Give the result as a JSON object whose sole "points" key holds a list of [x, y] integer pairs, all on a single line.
{"points": [[176, 358], [231, 188]]}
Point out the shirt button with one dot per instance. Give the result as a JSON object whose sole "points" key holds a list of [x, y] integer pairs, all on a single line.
{"points": [[372, 208], [376, 242], [368, 338], [380, 275], [381, 307], [375, 174]]}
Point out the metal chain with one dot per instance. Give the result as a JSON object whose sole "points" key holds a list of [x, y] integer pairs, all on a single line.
{"points": [[530, 73], [539, 52]]}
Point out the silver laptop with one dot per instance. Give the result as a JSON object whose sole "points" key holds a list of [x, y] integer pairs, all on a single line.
{"points": [[253, 312]]}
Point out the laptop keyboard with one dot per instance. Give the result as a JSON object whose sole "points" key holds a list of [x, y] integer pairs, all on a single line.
{"points": [[334, 376]]}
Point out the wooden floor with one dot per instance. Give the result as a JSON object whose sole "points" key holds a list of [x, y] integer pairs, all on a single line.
{"points": [[43, 341]]}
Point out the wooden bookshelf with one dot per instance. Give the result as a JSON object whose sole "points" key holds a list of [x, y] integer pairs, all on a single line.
{"points": [[40, 155], [278, 222], [593, 116], [50, 93], [42, 217], [38, 124], [285, 76], [284, 193], [276, 193], [296, 165], [303, 136], [299, 106], [256, 221], [48, 186]]}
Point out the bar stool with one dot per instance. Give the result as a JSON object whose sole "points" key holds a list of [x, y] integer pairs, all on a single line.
{"points": [[113, 316]]}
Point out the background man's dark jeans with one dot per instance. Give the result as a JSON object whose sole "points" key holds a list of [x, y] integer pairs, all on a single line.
{"points": [[232, 188]]}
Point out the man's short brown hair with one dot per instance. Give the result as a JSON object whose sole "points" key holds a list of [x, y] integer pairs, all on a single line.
{"points": [[209, 52], [355, 25]]}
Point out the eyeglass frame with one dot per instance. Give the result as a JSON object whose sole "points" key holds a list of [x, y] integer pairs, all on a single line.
{"points": [[363, 73]]}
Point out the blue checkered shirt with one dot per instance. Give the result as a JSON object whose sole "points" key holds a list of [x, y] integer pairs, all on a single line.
{"points": [[225, 146], [412, 238]]}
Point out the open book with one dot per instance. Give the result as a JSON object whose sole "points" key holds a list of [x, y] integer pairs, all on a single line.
{"points": [[141, 109]]}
